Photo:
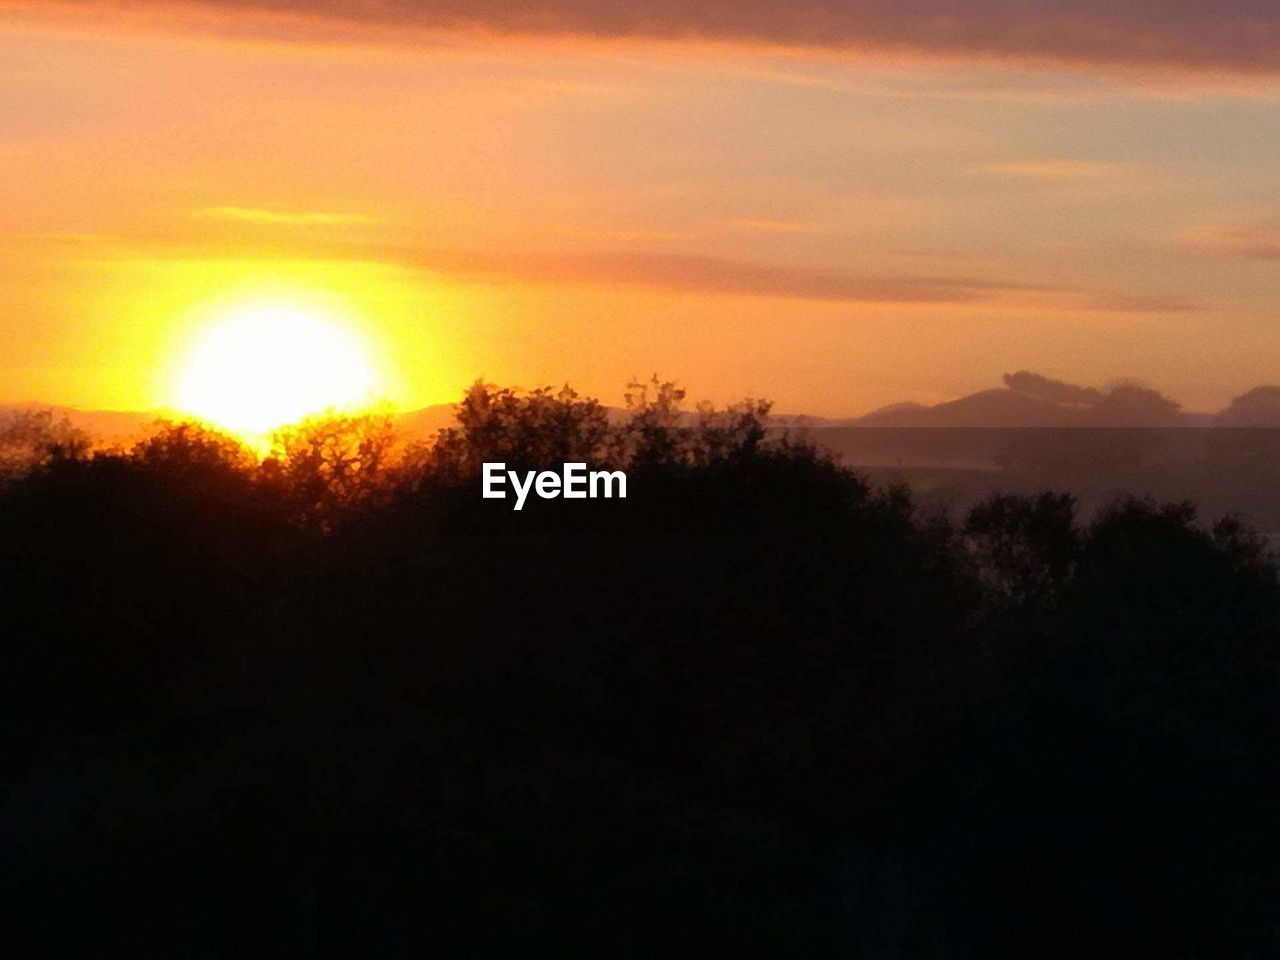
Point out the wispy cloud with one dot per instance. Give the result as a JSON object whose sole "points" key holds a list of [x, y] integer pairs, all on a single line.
{"points": [[725, 277], [1131, 303], [706, 275], [288, 218], [1051, 169], [777, 226], [1260, 241], [681, 273], [689, 274], [647, 236], [1242, 36]]}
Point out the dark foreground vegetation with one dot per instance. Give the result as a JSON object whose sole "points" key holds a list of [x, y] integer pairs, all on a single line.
{"points": [[334, 704]]}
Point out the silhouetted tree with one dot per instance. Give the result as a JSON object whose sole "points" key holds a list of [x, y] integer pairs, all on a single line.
{"points": [[327, 465], [1026, 549], [524, 431]]}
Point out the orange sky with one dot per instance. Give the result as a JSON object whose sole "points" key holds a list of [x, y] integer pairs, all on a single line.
{"points": [[898, 213]]}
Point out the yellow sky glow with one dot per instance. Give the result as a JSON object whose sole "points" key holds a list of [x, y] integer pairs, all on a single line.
{"points": [[834, 233]]}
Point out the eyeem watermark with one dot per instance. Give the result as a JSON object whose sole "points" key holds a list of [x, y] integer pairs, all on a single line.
{"points": [[574, 482]]}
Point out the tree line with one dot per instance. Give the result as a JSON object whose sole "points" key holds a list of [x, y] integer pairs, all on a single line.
{"points": [[330, 702]]}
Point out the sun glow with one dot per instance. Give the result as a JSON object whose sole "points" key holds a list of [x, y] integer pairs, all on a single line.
{"points": [[263, 367]]}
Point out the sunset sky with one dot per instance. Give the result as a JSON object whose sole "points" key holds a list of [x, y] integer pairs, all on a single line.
{"points": [[833, 204]]}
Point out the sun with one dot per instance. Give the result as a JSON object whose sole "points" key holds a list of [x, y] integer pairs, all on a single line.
{"points": [[262, 367]]}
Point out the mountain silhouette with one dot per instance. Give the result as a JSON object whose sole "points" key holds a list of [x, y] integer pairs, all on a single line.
{"points": [[1028, 400], [987, 408]]}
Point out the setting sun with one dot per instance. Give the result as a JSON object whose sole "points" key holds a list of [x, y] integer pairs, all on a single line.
{"points": [[266, 366]]}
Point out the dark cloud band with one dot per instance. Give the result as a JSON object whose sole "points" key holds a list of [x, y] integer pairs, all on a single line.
{"points": [[1240, 36]]}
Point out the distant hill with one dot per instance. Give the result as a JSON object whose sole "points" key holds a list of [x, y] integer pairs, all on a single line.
{"points": [[889, 411], [989, 408], [1029, 400], [123, 427], [423, 423], [104, 426], [1035, 401]]}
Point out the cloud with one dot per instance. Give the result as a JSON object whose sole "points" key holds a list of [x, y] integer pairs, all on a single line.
{"points": [[670, 272], [1242, 36], [777, 226], [1051, 170], [1249, 242], [291, 218], [641, 235], [704, 275], [1134, 303]]}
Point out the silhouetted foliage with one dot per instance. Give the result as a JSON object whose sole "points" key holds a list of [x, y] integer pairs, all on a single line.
{"points": [[1026, 549], [525, 432], [324, 467], [333, 703]]}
